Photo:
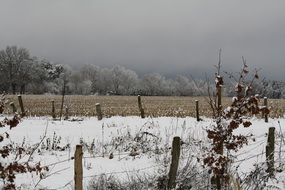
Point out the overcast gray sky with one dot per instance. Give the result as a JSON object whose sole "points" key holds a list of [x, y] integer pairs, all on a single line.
{"points": [[166, 36]]}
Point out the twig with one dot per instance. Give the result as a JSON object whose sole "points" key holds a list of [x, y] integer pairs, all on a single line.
{"points": [[38, 145], [68, 183], [219, 62], [44, 177]]}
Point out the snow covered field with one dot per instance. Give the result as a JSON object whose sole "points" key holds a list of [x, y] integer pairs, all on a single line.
{"points": [[140, 146]]}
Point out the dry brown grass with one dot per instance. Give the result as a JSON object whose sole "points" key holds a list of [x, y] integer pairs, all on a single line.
{"points": [[40, 105]]}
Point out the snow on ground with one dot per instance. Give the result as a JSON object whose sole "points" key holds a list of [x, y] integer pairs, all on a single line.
{"points": [[108, 132]]}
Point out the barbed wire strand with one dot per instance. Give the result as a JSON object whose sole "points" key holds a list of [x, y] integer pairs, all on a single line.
{"points": [[124, 171]]}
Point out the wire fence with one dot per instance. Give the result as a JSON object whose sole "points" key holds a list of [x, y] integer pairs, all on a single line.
{"points": [[69, 183], [258, 143]]}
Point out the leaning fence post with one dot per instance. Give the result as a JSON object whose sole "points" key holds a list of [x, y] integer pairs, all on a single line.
{"points": [[270, 150], [175, 153], [266, 105], [99, 111], [140, 107], [14, 109], [78, 170], [21, 106], [197, 110], [52, 109]]}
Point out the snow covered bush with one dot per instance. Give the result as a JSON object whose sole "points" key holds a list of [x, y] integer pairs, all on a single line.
{"points": [[10, 167]]}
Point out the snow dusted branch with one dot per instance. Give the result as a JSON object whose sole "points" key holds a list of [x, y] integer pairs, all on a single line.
{"points": [[221, 134]]}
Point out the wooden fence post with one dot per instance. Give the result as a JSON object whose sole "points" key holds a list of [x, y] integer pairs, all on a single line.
{"points": [[53, 109], [139, 102], [140, 107], [142, 113], [21, 106], [78, 170], [197, 110], [14, 109], [266, 105], [63, 95], [270, 150], [99, 111], [175, 153], [66, 113]]}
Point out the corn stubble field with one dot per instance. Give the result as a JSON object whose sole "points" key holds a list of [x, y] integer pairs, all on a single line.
{"points": [[155, 106]]}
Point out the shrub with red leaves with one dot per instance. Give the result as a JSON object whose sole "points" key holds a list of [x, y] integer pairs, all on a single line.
{"points": [[10, 168], [221, 134]]}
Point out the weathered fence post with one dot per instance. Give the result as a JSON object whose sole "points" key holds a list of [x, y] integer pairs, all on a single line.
{"points": [[266, 105], [140, 107], [175, 153], [52, 109], [139, 102], [142, 113], [270, 150], [99, 111], [21, 106], [78, 170], [197, 110], [66, 113], [63, 95], [14, 109]]}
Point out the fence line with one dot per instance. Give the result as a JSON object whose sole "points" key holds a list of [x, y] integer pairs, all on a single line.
{"points": [[257, 144], [261, 142]]}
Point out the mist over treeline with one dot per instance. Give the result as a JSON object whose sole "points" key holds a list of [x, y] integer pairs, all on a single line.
{"points": [[20, 72]]}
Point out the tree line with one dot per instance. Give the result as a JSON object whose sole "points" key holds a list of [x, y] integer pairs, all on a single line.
{"points": [[20, 72]]}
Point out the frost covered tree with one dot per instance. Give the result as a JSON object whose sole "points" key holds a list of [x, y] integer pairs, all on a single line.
{"points": [[46, 76], [168, 88], [20, 72], [183, 86], [89, 73], [78, 84], [128, 80], [104, 83], [123, 80], [16, 66], [153, 84]]}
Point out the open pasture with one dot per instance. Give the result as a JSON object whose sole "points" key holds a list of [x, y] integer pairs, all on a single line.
{"points": [[154, 106]]}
